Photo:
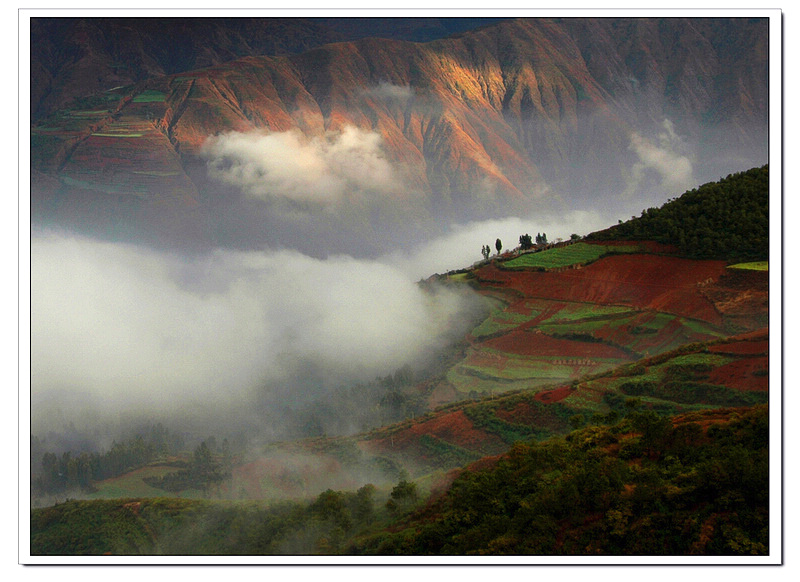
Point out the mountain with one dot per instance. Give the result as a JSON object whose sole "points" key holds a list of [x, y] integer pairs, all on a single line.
{"points": [[77, 57], [387, 140]]}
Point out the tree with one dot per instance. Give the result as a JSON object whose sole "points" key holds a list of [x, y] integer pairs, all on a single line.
{"points": [[403, 495], [498, 245], [362, 505], [485, 251], [525, 242]]}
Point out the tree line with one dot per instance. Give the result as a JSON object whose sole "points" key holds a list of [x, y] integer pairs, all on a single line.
{"points": [[66, 472], [728, 219]]}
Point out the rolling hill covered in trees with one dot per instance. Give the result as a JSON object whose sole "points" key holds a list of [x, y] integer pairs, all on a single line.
{"points": [[727, 219]]}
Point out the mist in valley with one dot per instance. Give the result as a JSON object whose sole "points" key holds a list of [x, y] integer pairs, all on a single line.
{"points": [[293, 305], [304, 286]]}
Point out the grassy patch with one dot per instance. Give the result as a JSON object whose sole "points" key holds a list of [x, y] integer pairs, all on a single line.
{"points": [[578, 311], [150, 96], [574, 254], [499, 322], [753, 266], [132, 484]]}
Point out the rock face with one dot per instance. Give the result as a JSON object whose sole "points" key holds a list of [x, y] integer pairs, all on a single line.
{"points": [[524, 114]]}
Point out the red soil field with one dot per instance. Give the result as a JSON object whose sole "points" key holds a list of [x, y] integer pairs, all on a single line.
{"points": [[556, 395], [663, 283], [524, 413], [536, 344], [741, 374], [743, 348], [453, 427]]}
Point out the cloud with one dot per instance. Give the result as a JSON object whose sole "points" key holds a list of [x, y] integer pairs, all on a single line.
{"points": [[665, 156], [386, 91], [325, 170], [130, 329]]}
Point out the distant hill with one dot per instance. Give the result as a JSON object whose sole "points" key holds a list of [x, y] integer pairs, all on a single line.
{"points": [[78, 57], [728, 219], [519, 116]]}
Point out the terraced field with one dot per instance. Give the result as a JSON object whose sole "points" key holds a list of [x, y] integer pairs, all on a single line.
{"points": [[555, 327], [752, 266], [729, 372], [567, 256]]}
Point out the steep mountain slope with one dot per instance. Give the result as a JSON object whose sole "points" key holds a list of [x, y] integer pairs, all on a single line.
{"points": [[523, 114], [77, 57]]}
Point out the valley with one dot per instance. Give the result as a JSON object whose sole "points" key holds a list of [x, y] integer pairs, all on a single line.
{"points": [[260, 325], [579, 336]]}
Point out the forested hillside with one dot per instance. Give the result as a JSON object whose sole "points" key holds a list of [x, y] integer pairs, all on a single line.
{"points": [[728, 219], [647, 484]]}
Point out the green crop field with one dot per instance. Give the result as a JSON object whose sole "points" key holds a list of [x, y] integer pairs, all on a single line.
{"points": [[581, 327], [503, 321], [753, 266], [578, 311], [574, 254], [132, 484], [150, 96]]}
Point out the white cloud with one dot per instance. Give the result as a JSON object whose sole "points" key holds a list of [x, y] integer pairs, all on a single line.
{"points": [[324, 170], [386, 91], [664, 156], [135, 329]]}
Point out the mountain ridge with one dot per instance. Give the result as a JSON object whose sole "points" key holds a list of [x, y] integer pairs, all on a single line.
{"points": [[487, 123]]}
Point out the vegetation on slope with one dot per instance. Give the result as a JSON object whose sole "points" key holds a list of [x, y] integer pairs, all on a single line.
{"points": [[728, 220], [632, 479], [566, 256], [646, 485]]}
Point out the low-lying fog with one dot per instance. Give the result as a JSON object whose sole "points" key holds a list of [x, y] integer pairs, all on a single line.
{"points": [[120, 330], [236, 334]]}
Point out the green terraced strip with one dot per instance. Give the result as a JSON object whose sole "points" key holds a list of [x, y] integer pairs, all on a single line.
{"points": [[118, 134], [574, 254], [503, 321], [88, 113], [150, 97], [577, 311], [754, 266]]}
